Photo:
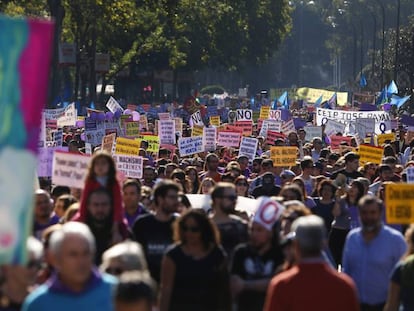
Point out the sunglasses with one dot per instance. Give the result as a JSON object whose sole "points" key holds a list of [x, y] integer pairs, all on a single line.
{"points": [[114, 270], [190, 229], [230, 197]]}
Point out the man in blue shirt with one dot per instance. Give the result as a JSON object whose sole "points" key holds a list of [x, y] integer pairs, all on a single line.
{"points": [[370, 254], [76, 284]]}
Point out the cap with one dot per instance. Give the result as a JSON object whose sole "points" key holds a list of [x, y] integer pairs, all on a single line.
{"points": [[288, 173], [267, 212]]}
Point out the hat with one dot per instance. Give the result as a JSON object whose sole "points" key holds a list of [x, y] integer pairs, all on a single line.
{"points": [[267, 212], [288, 173]]}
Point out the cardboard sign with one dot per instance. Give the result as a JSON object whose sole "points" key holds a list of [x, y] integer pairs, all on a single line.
{"points": [[244, 115], [283, 156], [275, 114], [197, 131], [196, 119], [248, 147], [382, 138], [127, 146], [132, 129], [264, 112], [209, 138], [190, 145], [272, 136], [246, 126], [270, 125], [333, 127], [410, 175], [113, 105], [369, 153], [45, 160], [69, 169], [312, 132], [108, 143], [166, 131], [215, 120], [228, 139], [130, 166], [399, 202], [153, 142], [336, 140]]}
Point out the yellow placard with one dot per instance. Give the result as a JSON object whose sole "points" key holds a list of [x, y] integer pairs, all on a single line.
{"points": [[132, 129], [264, 112], [215, 120], [108, 143], [370, 154], [381, 138], [312, 95], [127, 146], [399, 200], [153, 142], [283, 156], [197, 131]]}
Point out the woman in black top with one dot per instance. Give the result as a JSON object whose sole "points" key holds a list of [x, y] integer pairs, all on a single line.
{"points": [[325, 202], [194, 270]]}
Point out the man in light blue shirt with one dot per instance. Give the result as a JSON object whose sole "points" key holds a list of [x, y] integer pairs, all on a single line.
{"points": [[370, 254]]}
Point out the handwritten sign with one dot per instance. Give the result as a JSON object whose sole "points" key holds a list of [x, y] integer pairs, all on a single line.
{"points": [[399, 202], [209, 138], [228, 139], [130, 166], [312, 132], [69, 169], [127, 146], [370, 154], [215, 120], [166, 130], [270, 125], [272, 136], [190, 145], [336, 140], [275, 114], [283, 156], [53, 114], [246, 126], [333, 127], [131, 129], [382, 138], [143, 122], [244, 115], [288, 127], [248, 147], [410, 174], [196, 119], [69, 117], [264, 112], [108, 143], [153, 142], [164, 115], [113, 105], [197, 131]]}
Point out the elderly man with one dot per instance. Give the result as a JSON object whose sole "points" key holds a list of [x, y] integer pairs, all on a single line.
{"points": [[76, 285], [312, 284]]}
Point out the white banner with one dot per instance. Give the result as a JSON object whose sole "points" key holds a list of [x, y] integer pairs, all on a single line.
{"points": [[166, 131], [190, 145], [130, 166], [248, 147], [69, 169]]}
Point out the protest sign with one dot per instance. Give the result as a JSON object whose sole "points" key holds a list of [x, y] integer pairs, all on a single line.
{"points": [[166, 131], [130, 166], [311, 95], [312, 132], [127, 146], [88, 149], [283, 156], [197, 131], [164, 115], [364, 126], [410, 174], [244, 115], [336, 140], [248, 147], [143, 123], [42, 135], [228, 139], [108, 143], [178, 125], [53, 114], [246, 126], [264, 112], [369, 153], [153, 142], [57, 139], [270, 125], [69, 117], [288, 127], [399, 202], [132, 129], [45, 160], [196, 119], [215, 120], [382, 138], [275, 114], [113, 105], [209, 138], [190, 145], [333, 127], [272, 136], [69, 169]]}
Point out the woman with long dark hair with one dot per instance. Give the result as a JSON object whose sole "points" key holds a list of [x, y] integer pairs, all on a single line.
{"points": [[194, 272], [325, 202]]}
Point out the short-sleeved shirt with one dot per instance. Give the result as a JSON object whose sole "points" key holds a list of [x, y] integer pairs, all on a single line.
{"points": [[406, 286], [233, 233]]}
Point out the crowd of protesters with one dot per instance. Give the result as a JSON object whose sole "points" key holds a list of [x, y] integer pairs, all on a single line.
{"points": [[317, 240]]}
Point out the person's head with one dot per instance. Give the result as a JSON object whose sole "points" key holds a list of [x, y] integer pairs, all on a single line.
{"points": [[389, 151], [317, 143], [192, 173], [306, 165], [206, 185], [287, 176], [57, 191], [309, 236], [243, 162], [131, 193], [163, 153], [193, 227], [267, 165], [99, 206], [70, 212], [178, 175], [212, 162], [385, 172], [102, 164], [326, 189], [391, 161], [184, 203], [124, 256], [149, 174], [370, 213], [136, 291], [292, 192], [166, 196], [293, 137], [43, 205], [146, 196], [169, 169], [242, 185], [351, 161], [224, 197], [299, 181], [72, 250], [293, 210], [62, 204], [268, 179], [256, 165], [301, 134], [356, 191]]}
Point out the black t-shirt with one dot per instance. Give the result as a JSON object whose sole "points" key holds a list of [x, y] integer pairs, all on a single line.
{"points": [[198, 283], [324, 211], [249, 265], [262, 191], [350, 176], [233, 233], [154, 236]]}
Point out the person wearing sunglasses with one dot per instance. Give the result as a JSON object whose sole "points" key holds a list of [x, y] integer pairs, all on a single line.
{"points": [[194, 269]]}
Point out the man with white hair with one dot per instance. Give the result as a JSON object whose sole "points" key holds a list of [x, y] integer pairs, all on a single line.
{"points": [[76, 284], [312, 284]]}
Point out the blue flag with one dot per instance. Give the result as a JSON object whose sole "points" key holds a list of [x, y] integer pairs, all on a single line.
{"points": [[383, 98], [318, 101], [283, 99], [332, 101], [399, 101], [392, 88], [363, 81]]}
